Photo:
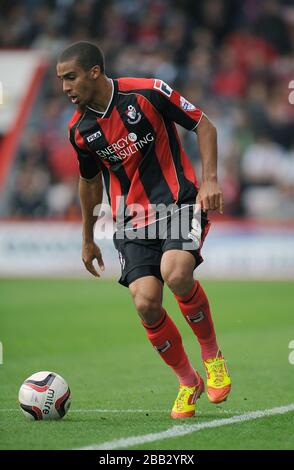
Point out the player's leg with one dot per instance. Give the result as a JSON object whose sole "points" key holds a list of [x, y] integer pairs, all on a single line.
{"points": [[177, 264], [177, 271], [161, 330], [140, 271], [166, 339]]}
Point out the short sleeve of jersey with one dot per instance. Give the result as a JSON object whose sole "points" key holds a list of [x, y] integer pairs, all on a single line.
{"points": [[174, 106], [89, 165]]}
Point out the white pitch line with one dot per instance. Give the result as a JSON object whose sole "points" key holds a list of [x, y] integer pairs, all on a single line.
{"points": [[185, 429]]}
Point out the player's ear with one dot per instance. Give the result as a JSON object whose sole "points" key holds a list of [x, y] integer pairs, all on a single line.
{"points": [[95, 72]]}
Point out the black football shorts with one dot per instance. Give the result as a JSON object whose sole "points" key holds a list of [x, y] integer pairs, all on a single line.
{"points": [[140, 250]]}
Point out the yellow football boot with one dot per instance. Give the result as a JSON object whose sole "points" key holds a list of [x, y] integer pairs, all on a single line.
{"points": [[185, 403], [218, 379]]}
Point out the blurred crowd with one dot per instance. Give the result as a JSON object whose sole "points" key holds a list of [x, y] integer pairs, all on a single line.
{"points": [[234, 59]]}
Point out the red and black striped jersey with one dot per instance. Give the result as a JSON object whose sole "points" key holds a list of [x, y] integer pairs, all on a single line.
{"points": [[136, 145]]}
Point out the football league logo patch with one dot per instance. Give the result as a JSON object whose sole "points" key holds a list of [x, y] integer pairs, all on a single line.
{"points": [[133, 116], [186, 105], [163, 87]]}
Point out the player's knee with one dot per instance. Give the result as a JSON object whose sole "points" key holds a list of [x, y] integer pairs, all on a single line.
{"points": [[145, 305], [149, 308], [178, 281]]}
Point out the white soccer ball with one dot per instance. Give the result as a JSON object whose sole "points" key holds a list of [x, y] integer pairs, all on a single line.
{"points": [[44, 395]]}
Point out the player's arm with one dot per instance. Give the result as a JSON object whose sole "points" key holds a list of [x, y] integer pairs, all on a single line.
{"points": [[91, 193], [209, 196], [174, 106]]}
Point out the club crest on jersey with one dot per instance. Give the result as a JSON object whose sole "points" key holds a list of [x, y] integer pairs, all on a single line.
{"points": [[163, 87], [133, 116], [186, 105], [94, 136]]}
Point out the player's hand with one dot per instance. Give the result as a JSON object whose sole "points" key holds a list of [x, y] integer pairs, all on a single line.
{"points": [[210, 197], [90, 252]]}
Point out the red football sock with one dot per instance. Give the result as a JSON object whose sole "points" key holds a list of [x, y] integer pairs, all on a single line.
{"points": [[195, 308], [167, 340]]}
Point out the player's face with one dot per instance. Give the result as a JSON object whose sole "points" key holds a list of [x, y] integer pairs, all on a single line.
{"points": [[77, 83]]}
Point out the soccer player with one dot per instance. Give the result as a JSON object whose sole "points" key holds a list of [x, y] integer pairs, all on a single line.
{"points": [[124, 130]]}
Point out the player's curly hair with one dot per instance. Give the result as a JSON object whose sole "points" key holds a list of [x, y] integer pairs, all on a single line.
{"points": [[87, 55]]}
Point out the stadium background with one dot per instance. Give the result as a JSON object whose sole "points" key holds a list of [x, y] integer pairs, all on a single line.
{"points": [[233, 59]]}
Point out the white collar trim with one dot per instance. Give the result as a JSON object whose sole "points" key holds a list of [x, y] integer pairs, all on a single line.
{"points": [[103, 113]]}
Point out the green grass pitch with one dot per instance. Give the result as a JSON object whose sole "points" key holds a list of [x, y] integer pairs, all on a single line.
{"points": [[88, 331]]}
